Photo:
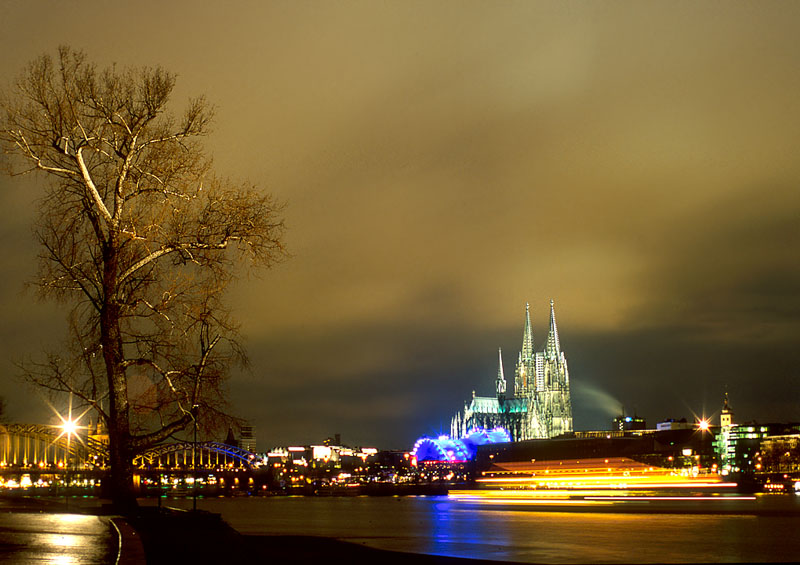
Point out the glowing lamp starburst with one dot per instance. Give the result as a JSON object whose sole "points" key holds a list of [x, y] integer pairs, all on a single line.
{"points": [[69, 427], [70, 424]]}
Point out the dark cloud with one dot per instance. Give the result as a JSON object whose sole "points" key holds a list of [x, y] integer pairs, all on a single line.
{"points": [[669, 373], [727, 272]]}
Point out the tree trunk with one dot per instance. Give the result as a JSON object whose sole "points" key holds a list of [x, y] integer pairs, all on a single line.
{"points": [[127, 173], [121, 453], [120, 478]]}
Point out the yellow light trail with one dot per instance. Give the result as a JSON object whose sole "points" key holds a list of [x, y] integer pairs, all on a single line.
{"points": [[573, 498], [584, 481], [645, 498]]}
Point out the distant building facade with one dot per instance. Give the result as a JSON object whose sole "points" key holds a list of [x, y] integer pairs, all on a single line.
{"points": [[627, 423], [540, 406], [672, 424], [752, 449], [248, 438]]}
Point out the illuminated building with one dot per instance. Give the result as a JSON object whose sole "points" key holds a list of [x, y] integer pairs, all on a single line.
{"points": [[627, 423], [726, 415], [98, 432], [672, 424], [448, 450], [314, 469], [540, 406], [722, 443], [746, 451], [248, 438]]}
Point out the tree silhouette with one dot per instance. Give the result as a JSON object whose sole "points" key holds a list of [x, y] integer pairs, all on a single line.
{"points": [[141, 239]]}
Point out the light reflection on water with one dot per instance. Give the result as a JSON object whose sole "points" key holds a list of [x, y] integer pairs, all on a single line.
{"points": [[441, 526]]}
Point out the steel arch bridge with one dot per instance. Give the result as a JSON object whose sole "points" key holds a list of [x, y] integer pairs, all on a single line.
{"points": [[206, 454], [42, 446], [36, 445]]}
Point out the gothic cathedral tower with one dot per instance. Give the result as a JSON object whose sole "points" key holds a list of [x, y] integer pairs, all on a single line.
{"points": [[539, 406], [543, 381]]}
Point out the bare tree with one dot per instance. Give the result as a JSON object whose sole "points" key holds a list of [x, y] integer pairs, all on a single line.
{"points": [[141, 239]]}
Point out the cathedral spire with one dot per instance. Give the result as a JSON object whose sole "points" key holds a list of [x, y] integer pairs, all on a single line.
{"points": [[553, 346], [501, 378], [527, 336]]}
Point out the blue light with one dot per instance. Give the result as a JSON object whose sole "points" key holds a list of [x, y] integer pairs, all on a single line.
{"points": [[450, 450]]}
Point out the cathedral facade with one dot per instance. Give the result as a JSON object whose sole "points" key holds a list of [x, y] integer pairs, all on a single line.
{"points": [[539, 406]]}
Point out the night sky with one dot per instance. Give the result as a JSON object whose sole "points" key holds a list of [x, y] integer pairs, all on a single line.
{"points": [[443, 163]]}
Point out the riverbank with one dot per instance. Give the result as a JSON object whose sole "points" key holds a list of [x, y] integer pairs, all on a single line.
{"points": [[170, 536], [402, 529], [164, 535]]}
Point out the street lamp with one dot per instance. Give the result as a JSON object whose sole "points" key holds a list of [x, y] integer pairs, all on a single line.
{"points": [[194, 458], [69, 427]]}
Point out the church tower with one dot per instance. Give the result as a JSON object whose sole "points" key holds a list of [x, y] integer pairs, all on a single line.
{"points": [[539, 406], [500, 384], [553, 346], [525, 374], [542, 383], [726, 416]]}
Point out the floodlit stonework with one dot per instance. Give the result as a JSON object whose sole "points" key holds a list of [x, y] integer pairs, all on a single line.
{"points": [[540, 406]]}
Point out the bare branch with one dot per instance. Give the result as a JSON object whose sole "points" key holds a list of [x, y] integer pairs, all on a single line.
{"points": [[87, 179], [141, 237]]}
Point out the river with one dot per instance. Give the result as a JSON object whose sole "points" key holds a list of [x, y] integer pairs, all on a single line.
{"points": [[761, 529]]}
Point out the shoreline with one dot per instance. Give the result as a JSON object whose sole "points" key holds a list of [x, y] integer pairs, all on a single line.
{"points": [[162, 530], [169, 534]]}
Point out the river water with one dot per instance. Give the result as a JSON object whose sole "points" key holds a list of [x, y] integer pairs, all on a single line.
{"points": [[766, 528]]}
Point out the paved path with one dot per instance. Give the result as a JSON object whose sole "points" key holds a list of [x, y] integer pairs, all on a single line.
{"points": [[27, 537], [31, 535]]}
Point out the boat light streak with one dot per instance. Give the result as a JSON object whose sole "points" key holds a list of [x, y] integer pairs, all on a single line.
{"points": [[646, 498], [605, 481]]}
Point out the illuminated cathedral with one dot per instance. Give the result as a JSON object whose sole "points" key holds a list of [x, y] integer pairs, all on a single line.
{"points": [[540, 406]]}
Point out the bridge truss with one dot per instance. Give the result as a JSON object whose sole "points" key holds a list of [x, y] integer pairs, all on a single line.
{"points": [[46, 447], [207, 454], [36, 445]]}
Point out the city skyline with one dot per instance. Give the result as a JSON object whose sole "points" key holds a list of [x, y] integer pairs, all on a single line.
{"points": [[445, 163]]}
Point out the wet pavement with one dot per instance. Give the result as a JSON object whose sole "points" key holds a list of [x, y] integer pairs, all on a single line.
{"points": [[29, 536]]}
